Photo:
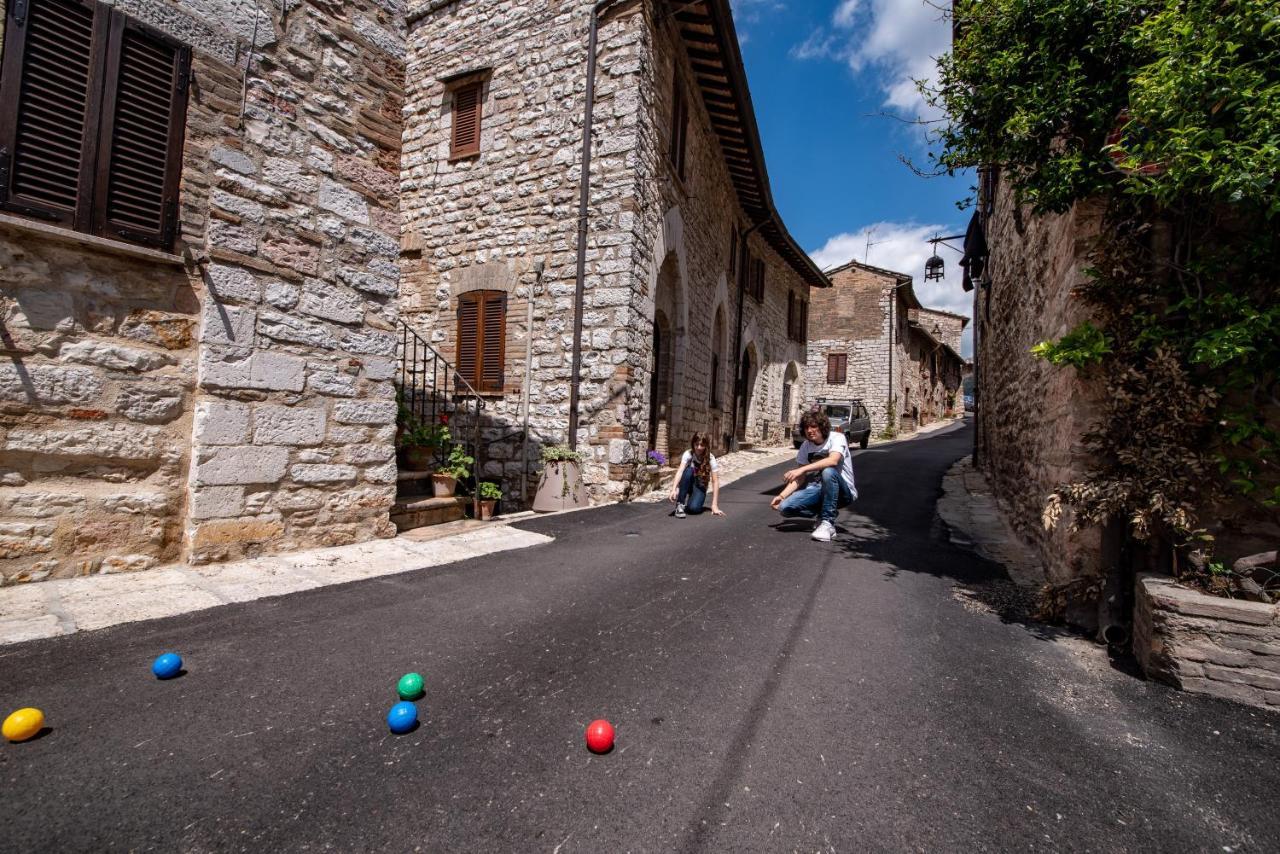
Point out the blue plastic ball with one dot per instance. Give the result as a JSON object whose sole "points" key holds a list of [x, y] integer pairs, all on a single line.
{"points": [[167, 666], [402, 717]]}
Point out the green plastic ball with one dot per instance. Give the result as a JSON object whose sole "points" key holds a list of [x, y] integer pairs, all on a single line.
{"points": [[410, 686]]}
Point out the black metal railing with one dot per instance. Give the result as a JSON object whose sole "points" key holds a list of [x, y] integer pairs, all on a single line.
{"points": [[430, 391]]}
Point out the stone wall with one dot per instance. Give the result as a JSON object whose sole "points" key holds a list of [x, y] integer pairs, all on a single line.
{"points": [[655, 244], [244, 403], [1032, 414], [1204, 644]]}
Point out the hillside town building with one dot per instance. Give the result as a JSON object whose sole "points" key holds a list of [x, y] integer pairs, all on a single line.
{"points": [[215, 256], [871, 339]]}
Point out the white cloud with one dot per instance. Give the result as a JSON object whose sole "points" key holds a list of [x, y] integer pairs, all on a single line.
{"points": [[903, 247], [896, 41]]}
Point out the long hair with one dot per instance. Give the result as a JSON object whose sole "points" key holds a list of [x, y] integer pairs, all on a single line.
{"points": [[701, 461]]}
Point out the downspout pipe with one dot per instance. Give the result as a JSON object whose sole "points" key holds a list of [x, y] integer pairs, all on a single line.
{"points": [[743, 273], [584, 193]]}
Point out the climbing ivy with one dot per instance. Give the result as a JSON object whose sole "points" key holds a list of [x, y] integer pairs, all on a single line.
{"points": [[1168, 113]]}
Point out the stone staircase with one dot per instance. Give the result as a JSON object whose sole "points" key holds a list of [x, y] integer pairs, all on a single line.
{"points": [[427, 388]]}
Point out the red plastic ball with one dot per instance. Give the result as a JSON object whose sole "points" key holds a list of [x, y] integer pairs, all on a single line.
{"points": [[600, 736]]}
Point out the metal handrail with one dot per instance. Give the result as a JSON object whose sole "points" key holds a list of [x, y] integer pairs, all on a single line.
{"points": [[428, 387]]}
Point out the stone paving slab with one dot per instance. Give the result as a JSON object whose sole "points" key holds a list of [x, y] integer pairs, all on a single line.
{"points": [[50, 608]]}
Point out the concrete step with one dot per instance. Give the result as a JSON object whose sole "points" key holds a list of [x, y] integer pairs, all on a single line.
{"points": [[409, 513]]}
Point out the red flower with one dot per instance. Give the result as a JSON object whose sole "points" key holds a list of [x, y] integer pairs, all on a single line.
{"points": [[444, 418]]}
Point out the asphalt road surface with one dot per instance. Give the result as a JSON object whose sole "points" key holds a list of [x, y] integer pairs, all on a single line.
{"points": [[770, 693]]}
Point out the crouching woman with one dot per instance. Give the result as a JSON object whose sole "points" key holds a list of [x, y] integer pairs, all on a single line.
{"points": [[697, 474]]}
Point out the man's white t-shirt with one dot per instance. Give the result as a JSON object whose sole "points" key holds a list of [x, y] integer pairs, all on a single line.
{"points": [[688, 455], [811, 453]]}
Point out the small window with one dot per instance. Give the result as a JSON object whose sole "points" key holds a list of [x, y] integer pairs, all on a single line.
{"points": [[92, 118], [757, 279], [791, 315], [733, 249], [467, 106], [837, 368], [679, 126], [482, 333], [803, 336]]}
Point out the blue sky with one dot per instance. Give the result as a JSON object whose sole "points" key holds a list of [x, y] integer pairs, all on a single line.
{"points": [[822, 74]]}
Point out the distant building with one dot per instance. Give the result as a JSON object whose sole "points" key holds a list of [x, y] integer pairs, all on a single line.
{"points": [[871, 339]]}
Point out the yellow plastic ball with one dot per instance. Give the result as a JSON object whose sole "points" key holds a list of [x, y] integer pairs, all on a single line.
{"points": [[23, 724]]}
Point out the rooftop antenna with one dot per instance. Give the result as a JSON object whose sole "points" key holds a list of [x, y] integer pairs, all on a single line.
{"points": [[866, 254]]}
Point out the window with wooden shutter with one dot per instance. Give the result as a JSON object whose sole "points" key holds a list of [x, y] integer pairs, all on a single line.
{"points": [[467, 101], [837, 368], [679, 127], [804, 322], [733, 249], [757, 279], [482, 333], [92, 116], [791, 315]]}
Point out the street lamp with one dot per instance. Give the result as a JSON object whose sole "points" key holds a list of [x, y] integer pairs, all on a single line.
{"points": [[934, 268]]}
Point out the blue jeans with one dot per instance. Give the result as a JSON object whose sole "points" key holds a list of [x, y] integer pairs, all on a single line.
{"points": [[821, 497], [692, 493]]}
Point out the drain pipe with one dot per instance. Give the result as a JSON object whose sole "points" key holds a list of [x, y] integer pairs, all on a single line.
{"points": [[584, 192], [743, 273], [538, 267]]}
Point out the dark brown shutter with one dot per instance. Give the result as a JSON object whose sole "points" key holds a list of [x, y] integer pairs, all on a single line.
{"points": [[837, 368], [791, 315], [733, 249], [493, 340], [468, 336], [679, 127], [466, 120], [52, 73], [143, 113], [757, 280], [804, 321]]}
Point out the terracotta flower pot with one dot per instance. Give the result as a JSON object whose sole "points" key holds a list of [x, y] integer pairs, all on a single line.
{"points": [[487, 506], [419, 457], [443, 485]]}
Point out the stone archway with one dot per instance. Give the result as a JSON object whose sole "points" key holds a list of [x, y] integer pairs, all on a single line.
{"points": [[790, 394], [746, 390], [660, 386]]}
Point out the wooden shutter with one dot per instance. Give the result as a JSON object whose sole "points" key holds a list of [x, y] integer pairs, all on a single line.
{"points": [[492, 340], [733, 249], [52, 73], [468, 336], [791, 315], [482, 332], [140, 148], [679, 127], [466, 120], [837, 368], [804, 321], [757, 280]]}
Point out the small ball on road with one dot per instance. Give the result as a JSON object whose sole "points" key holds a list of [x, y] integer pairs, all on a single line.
{"points": [[167, 666], [23, 724], [600, 736], [402, 717], [410, 686]]}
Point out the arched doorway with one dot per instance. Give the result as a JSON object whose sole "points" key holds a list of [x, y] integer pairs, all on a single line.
{"points": [[746, 390], [660, 386], [790, 395]]}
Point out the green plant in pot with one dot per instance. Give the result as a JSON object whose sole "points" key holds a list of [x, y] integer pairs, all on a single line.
{"points": [[418, 439], [456, 466], [487, 495]]}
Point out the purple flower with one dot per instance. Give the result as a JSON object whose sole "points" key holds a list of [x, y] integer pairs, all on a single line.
{"points": [[657, 457]]}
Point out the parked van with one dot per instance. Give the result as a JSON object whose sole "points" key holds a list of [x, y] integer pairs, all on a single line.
{"points": [[848, 416]]}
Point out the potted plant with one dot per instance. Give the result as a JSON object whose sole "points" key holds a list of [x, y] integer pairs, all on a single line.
{"points": [[488, 494], [419, 440], [560, 483], [457, 466]]}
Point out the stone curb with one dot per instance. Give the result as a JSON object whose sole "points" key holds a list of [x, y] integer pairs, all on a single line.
{"points": [[976, 524], [61, 607]]}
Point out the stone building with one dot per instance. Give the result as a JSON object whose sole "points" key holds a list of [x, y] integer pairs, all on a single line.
{"points": [[199, 236], [694, 295], [214, 212], [871, 339]]}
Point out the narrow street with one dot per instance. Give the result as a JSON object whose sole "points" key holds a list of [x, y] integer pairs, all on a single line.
{"points": [[770, 693]]}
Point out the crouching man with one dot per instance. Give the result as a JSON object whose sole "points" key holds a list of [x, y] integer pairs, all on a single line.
{"points": [[823, 480]]}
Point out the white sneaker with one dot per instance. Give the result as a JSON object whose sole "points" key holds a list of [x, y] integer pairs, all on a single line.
{"points": [[825, 532], [679, 511]]}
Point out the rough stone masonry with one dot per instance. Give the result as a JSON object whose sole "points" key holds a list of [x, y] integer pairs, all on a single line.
{"points": [[242, 402]]}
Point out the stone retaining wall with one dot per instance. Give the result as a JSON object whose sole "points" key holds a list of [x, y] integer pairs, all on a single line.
{"points": [[1225, 648]]}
